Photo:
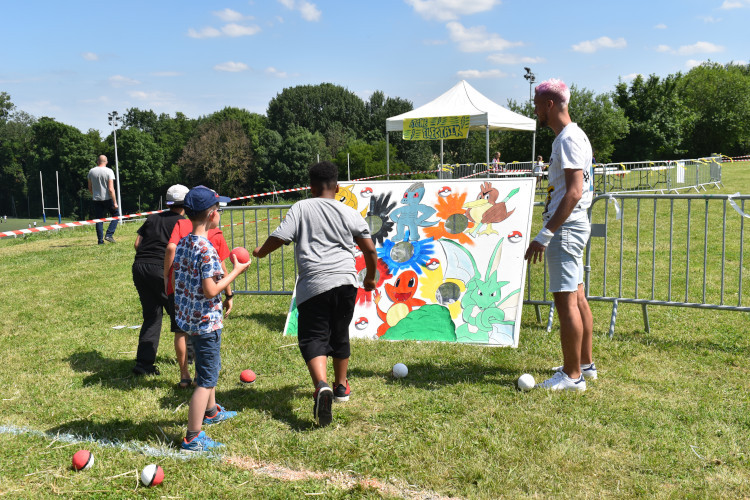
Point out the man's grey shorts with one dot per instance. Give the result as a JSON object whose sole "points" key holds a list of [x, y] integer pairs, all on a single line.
{"points": [[565, 256]]}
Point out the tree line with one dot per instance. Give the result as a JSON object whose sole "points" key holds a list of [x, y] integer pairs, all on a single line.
{"points": [[695, 114]]}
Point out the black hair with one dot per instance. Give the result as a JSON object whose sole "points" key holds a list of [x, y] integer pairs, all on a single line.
{"points": [[200, 216], [324, 175]]}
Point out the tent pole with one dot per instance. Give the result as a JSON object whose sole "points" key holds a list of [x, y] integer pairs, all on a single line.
{"points": [[441, 155], [487, 144], [387, 156], [533, 149]]}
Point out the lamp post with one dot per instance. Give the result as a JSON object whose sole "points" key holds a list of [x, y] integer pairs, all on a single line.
{"points": [[115, 119], [531, 77]]}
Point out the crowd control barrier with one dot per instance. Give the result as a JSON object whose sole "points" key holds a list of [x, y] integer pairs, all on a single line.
{"points": [[679, 250]]}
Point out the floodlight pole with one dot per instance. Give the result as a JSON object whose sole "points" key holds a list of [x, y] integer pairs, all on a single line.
{"points": [[531, 77], [115, 120]]}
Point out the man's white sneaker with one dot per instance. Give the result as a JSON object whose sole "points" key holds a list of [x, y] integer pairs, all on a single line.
{"points": [[561, 382], [588, 371]]}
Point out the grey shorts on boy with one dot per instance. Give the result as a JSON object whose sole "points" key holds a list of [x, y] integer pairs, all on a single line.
{"points": [[207, 358], [565, 256]]}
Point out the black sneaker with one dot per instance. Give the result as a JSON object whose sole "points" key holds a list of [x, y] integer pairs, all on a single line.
{"points": [[322, 408], [341, 392], [109, 239], [147, 370]]}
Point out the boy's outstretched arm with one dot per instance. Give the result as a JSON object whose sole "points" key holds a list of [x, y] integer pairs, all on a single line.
{"points": [[371, 260], [271, 244], [213, 288]]}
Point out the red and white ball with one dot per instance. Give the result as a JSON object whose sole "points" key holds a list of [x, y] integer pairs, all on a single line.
{"points": [[152, 475], [247, 376], [83, 459]]}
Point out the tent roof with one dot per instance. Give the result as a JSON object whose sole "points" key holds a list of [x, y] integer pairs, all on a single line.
{"points": [[463, 99]]}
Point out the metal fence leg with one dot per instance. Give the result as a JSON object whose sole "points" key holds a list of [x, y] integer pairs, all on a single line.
{"points": [[550, 317], [645, 318], [612, 320], [538, 313]]}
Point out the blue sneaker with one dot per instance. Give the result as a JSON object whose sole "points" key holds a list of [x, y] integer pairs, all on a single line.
{"points": [[221, 415], [200, 443]]}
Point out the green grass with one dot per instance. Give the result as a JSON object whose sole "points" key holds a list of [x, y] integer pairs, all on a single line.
{"points": [[668, 416]]}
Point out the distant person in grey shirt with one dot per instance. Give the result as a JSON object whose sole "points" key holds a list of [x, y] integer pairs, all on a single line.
{"points": [[325, 232], [102, 188]]}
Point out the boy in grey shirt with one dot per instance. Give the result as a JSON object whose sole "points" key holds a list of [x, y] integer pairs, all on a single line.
{"points": [[325, 231]]}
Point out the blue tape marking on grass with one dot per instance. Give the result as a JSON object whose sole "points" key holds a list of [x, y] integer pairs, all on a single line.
{"points": [[133, 446]]}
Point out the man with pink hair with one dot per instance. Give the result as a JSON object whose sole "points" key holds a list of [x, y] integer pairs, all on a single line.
{"points": [[565, 234]]}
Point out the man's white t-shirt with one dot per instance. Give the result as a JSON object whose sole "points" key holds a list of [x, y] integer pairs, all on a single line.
{"points": [[571, 149], [100, 177]]}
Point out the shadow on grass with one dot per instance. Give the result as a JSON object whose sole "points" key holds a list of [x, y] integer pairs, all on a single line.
{"points": [[123, 430], [274, 322], [114, 373], [431, 376], [279, 402]]}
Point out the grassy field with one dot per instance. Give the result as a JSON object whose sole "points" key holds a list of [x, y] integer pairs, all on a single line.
{"points": [[667, 418]]}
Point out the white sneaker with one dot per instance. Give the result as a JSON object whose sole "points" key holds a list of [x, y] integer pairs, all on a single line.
{"points": [[588, 371], [561, 382]]}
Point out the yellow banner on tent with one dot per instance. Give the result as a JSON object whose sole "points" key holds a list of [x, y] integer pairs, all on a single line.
{"points": [[440, 127]]}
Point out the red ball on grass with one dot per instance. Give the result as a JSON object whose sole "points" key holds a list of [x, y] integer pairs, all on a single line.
{"points": [[82, 459], [247, 376]]}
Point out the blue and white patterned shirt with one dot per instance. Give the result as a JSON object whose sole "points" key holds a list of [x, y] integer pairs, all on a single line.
{"points": [[196, 259]]}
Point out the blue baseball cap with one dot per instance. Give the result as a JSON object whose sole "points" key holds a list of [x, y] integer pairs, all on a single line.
{"points": [[201, 198]]}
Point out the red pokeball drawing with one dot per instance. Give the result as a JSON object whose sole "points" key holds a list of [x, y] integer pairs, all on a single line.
{"points": [[366, 192], [361, 323], [432, 264], [444, 191], [515, 236]]}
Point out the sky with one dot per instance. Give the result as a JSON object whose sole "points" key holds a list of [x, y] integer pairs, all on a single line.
{"points": [[77, 61]]}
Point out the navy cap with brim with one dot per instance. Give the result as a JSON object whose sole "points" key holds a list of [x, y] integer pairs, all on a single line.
{"points": [[202, 198]]}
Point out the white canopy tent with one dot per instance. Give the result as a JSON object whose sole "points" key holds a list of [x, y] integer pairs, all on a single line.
{"points": [[462, 100]]}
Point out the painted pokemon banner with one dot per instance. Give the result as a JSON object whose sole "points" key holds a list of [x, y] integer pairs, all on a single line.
{"points": [[450, 259], [440, 127]]}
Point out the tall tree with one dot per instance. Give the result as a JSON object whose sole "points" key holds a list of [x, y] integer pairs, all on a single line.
{"points": [[317, 108], [15, 145], [720, 96], [602, 121], [141, 171], [219, 156]]}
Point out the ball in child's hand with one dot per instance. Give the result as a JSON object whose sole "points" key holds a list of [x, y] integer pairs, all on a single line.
{"points": [[152, 475], [83, 459], [247, 376], [242, 255]]}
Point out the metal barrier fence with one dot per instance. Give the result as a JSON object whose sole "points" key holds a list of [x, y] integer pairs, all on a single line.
{"points": [[679, 250], [658, 176], [688, 252]]}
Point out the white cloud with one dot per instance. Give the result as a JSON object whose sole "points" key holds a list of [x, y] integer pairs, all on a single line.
{"points": [[90, 56], [710, 19], [122, 81], [166, 73], [630, 76], [102, 99], [278, 73], [692, 63], [513, 59], [660, 26], [207, 32], [229, 15], [450, 10], [477, 39], [308, 10], [699, 48], [604, 42], [232, 67], [153, 98], [664, 48], [735, 4], [475, 73], [235, 30]]}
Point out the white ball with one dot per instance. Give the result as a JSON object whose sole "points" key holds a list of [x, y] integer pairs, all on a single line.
{"points": [[526, 382], [400, 370]]}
